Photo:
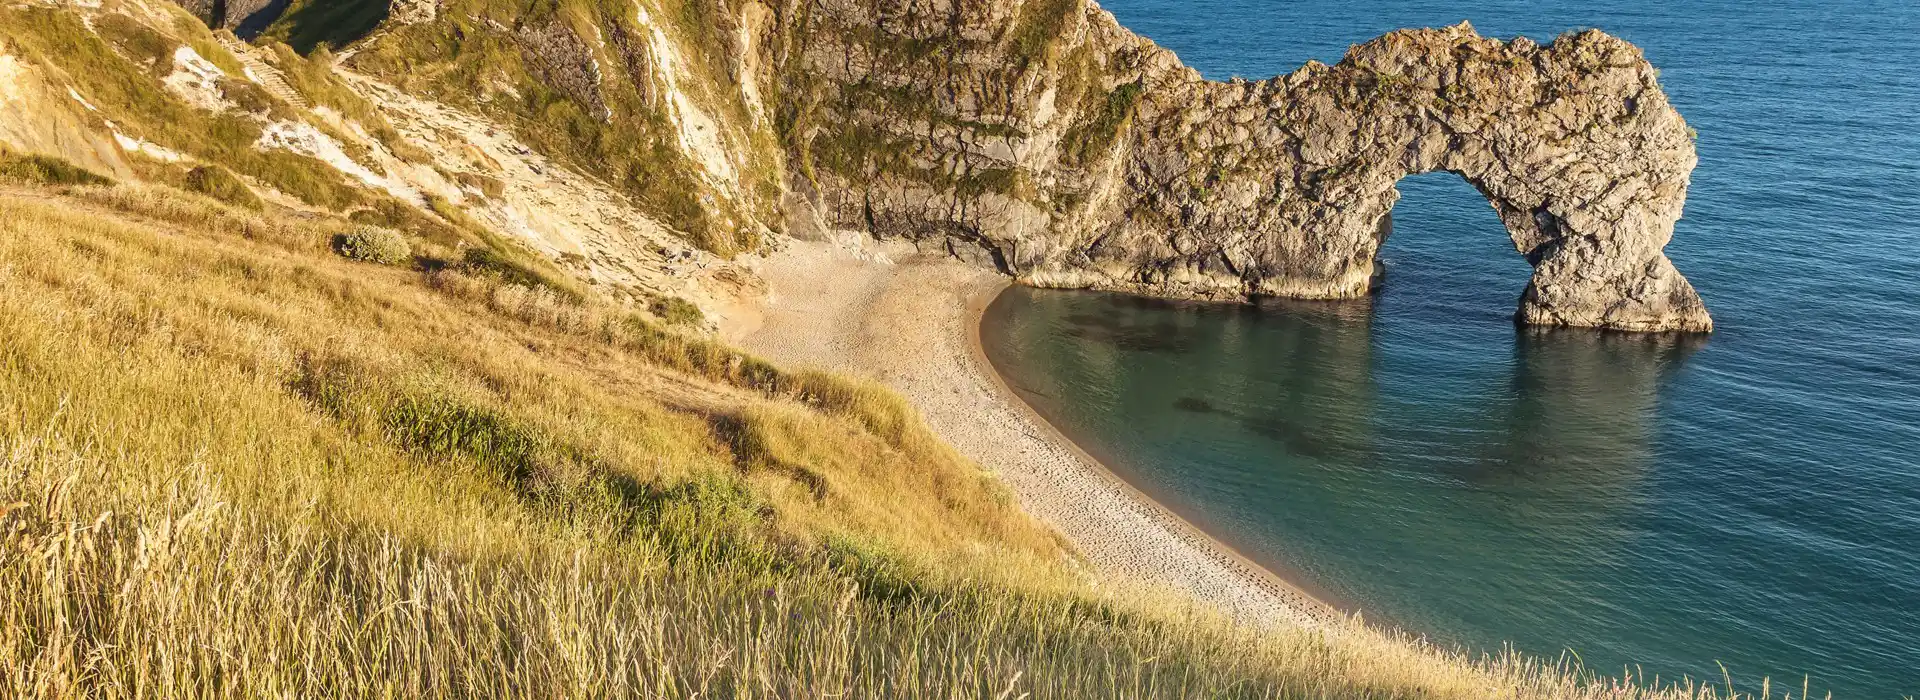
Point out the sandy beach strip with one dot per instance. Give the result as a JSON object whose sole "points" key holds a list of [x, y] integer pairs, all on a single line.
{"points": [[912, 322]]}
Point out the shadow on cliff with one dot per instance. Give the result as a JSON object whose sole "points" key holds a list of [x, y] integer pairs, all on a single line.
{"points": [[333, 24], [255, 22]]}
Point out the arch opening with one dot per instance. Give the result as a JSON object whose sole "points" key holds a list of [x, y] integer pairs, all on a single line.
{"points": [[1284, 188], [1444, 250]]}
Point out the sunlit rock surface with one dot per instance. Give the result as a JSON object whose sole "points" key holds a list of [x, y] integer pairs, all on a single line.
{"points": [[1050, 140]]}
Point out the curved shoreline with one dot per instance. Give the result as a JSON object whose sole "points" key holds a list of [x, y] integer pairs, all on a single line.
{"points": [[1312, 603], [915, 325]]}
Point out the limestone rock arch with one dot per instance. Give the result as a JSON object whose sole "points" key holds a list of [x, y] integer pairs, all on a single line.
{"points": [[1284, 187], [1078, 154]]}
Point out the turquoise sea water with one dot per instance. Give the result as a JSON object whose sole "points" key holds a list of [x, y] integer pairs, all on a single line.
{"points": [[1752, 498]]}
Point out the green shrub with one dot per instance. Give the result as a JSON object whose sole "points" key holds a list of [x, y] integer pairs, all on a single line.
{"points": [[45, 170], [677, 311], [220, 183], [253, 99], [138, 42], [443, 427], [388, 212], [487, 261], [374, 245], [499, 258]]}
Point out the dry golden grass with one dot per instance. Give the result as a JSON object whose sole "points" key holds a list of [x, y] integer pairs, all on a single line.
{"points": [[234, 464]]}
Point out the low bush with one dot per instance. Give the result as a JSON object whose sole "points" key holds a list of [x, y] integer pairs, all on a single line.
{"points": [[374, 245], [505, 261], [677, 311]]}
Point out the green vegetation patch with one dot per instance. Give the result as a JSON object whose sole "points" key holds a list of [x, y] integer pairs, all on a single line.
{"points": [[676, 311], [1040, 24], [220, 183], [375, 245], [45, 170], [139, 43], [253, 99], [490, 187], [1091, 139], [389, 212], [697, 355], [440, 425]]}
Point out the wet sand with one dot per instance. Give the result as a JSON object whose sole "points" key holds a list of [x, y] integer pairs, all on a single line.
{"points": [[912, 321]]}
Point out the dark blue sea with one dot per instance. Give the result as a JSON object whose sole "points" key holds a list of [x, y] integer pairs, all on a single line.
{"points": [[1670, 506]]}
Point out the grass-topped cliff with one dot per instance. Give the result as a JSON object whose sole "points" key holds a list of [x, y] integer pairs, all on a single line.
{"points": [[313, 390]]}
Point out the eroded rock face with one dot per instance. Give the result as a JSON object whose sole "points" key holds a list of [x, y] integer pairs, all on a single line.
{"points": [[1079, 155], [1041, 137], [38, 116]]}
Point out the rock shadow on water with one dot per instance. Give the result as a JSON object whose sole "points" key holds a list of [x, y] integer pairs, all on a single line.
{"points": [[1310, 438], [1358, 311], [1581, 406], [1120, 333], [1306, 438], [1153, 340], [1135, 302]]}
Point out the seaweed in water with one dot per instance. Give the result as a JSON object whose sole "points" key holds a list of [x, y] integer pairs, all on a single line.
{"points": [[1160, 337], [1317, 442], [1137, 340], [1193, 405], [1094, 321]]}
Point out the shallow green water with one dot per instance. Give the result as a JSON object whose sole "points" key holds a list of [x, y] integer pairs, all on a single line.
{"points": [[1751, 499]]}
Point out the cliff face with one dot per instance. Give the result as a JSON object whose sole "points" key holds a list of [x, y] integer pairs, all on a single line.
{"points": [[1075, 154], [38, 117], [1043, 138]]}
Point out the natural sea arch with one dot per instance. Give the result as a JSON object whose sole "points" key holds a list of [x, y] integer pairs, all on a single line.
{"points": [[1573, 144], [1284, 187], [1078, 154]]}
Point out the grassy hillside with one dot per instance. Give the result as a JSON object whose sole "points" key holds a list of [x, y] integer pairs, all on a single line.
{"points": [[237, 463], [117, 64], [267, 431]]}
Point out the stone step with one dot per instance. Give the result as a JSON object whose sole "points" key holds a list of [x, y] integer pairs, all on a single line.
{"points": [[261, 73]]}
